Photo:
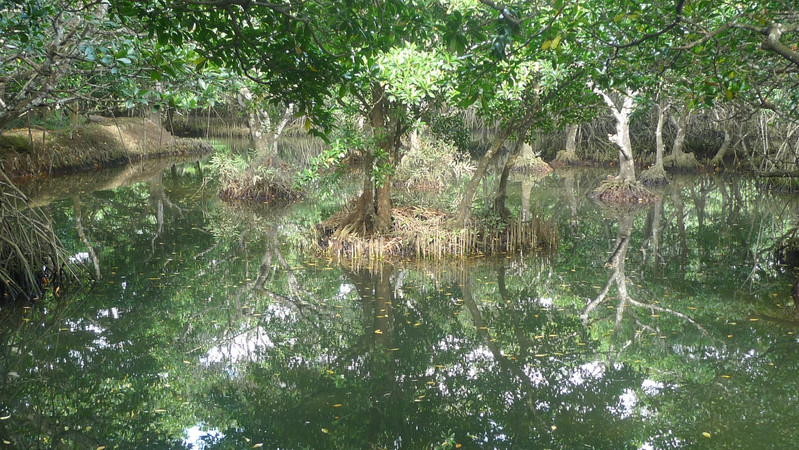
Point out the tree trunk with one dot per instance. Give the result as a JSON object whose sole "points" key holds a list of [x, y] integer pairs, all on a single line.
{"points": [[372, 212], [657, 174], [502, 189], [678, 158], [569, 155], [571, 138], [465, 207], [386, 145], [622, 136], [659, 146]]}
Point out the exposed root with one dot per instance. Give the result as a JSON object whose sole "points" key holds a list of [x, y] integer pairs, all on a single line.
{"points": [[654, 176], [682, 161], [31, 254], [425, 233], [616, 190], [534, 165], [567, 158]]}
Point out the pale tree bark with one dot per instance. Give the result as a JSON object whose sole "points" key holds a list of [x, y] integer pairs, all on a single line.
{"points": [[657, 174], [569, 155], [725, 146], [622, 114], [264, 134], [678, 158]]}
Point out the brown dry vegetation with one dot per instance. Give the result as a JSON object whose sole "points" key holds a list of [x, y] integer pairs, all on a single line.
{"points": [[426, 233], [103, 143]]}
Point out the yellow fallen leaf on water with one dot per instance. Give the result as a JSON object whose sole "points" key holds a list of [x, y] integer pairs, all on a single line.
{"points": [[324, 430], [6, 417], [725, 376], [337, 405], [706, 434], [258, 445], [378, 332]]}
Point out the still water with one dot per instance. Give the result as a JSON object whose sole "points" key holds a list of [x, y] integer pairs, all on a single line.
{"points": [[210, 327]]}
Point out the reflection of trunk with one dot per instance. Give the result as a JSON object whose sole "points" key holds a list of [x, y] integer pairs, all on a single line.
{"points": [[568, 185], [622, 136], [377, 294], [617, 275], [504, 362], [657, 233], [525, 345], [527, 186], [76, 206], [159, 199], [676, 198], [502, 190]]}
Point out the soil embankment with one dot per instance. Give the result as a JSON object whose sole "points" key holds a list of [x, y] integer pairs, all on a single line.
{"points": [[103, 142]]}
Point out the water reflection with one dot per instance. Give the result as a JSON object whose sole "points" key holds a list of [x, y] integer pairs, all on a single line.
{"points": [[648, 329]]}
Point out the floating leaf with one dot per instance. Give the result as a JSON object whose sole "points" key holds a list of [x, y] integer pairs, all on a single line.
{"points": [[706, 434], [324, 430]]}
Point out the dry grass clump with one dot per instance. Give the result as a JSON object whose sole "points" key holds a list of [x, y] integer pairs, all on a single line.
{"points": [[425, 233], [616, 190]]}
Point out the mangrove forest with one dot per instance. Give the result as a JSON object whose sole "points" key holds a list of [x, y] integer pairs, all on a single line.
{"points": [[399, 224]]}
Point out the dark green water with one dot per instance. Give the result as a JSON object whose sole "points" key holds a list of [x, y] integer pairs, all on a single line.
{"points": [[209, 328]]}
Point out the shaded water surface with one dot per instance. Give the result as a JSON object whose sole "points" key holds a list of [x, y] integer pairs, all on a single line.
{"points": [[669, 327]]}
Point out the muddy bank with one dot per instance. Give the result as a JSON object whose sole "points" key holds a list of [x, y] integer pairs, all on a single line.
{"points": [[103, 142]]}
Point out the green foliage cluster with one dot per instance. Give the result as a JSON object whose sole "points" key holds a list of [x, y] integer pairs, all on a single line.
{"points": [[450, 128]]}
